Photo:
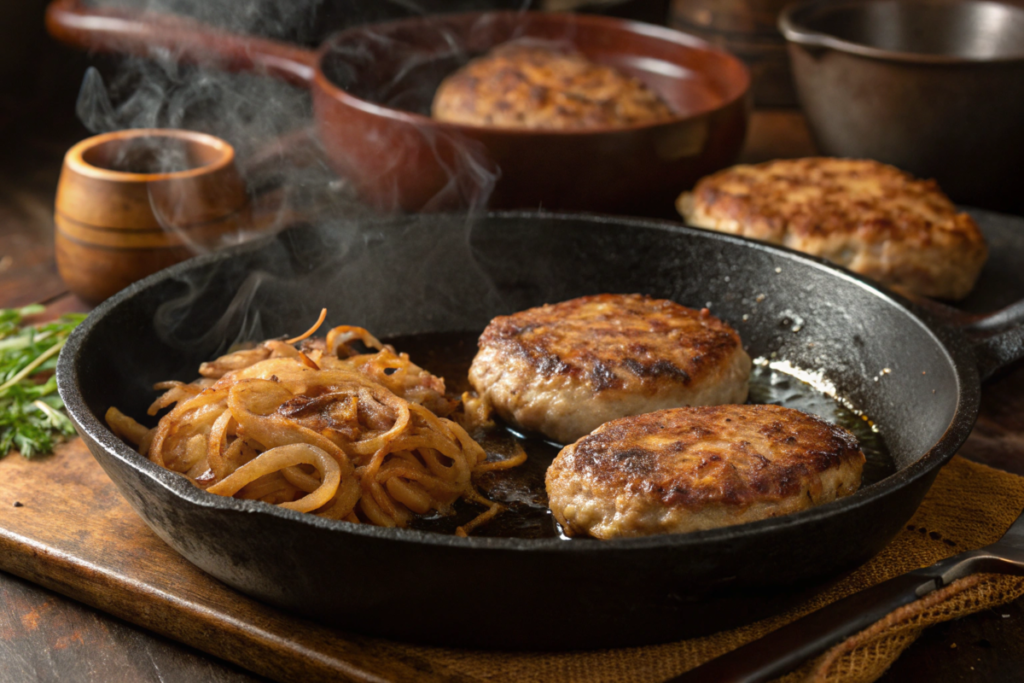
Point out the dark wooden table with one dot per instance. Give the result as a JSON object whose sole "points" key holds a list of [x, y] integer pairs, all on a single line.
{"points": [[47, 637]]}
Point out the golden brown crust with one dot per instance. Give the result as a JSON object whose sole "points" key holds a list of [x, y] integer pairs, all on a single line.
{"points": [[695, 468], [564, 369], [864, 215], [525, 85], [611, 340], [692, 457]]}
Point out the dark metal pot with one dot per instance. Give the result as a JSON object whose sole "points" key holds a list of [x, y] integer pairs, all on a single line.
{"points": [[444, 273], [935, 87]]}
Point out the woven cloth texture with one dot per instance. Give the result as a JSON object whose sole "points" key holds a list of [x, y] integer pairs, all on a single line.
{"points": [[969, 506]]}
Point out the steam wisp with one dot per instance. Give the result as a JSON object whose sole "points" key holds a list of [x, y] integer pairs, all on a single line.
{"points": [[270, 125]]}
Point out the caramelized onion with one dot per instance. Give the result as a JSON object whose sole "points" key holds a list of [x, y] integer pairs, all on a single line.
{"points": [[361, 438]]}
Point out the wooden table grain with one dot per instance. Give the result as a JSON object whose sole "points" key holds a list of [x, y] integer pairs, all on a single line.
{"points": [[45, 636]]}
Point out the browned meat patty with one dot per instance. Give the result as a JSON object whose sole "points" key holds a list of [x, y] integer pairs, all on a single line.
{"points": [[525, 85], [871, 218], [688, 469], [564, 369]]}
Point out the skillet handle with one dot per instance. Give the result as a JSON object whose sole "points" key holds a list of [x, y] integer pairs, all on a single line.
{"points": [[998, 339], [148, 34]]}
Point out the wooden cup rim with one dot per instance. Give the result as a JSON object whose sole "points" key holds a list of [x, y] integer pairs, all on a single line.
{"points": [[75, 161]]}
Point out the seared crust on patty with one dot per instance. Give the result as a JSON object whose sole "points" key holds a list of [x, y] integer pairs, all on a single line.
{"points": [[687, 469], [866, 216], [526, 85], [564, 369]]}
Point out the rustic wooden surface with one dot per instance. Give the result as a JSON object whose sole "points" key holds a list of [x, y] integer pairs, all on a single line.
{"points": [[45, 636], [64, 526], [28, 272]]}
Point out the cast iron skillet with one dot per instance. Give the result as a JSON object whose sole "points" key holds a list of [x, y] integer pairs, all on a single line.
{"points": [[445, 273]]}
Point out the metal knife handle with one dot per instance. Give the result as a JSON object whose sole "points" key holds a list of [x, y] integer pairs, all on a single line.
{"points": [[786, 648]]}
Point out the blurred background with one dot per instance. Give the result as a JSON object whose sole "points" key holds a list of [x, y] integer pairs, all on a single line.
{"points": [[52, 95]]}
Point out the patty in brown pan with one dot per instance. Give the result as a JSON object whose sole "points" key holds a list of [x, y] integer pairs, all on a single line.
{"points": [[688, 469], [531, 85], [866, 216], [564, 369]]}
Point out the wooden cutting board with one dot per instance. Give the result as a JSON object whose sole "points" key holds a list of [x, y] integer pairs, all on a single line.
{"points": [[64, 525]]}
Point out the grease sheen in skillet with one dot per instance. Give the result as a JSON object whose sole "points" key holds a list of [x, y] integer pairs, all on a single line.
{"points": [[449, 355]]}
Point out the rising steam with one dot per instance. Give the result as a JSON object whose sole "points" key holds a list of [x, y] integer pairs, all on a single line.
{"points": [[270, 123], [271, 126]]}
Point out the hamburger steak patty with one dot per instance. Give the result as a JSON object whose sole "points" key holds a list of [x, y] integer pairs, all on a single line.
{"points": [[564, 369], [688, 469], [531, 85], [872, 218]]}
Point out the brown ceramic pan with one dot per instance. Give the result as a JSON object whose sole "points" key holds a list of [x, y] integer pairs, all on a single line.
{"points": [[372, 87]]}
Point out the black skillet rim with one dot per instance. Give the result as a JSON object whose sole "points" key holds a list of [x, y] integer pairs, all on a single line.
{"points": [[950, 340]]}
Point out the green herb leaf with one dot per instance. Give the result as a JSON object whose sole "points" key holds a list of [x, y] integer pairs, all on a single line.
{"points": [[31, 413]]}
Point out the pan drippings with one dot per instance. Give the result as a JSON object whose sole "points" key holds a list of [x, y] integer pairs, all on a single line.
{"points": [[522, 490]]}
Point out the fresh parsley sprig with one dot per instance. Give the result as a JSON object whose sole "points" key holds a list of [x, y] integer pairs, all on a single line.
{"points": [[31, 413]]}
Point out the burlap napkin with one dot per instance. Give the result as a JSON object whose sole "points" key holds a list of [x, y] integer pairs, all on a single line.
{"points": [[969, 506]]}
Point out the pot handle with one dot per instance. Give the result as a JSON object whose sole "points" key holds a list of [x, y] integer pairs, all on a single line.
{"points": [[998, 339], [148, 34]]}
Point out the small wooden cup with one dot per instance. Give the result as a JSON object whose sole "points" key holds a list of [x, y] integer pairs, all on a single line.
{"points": [[132, 202]]}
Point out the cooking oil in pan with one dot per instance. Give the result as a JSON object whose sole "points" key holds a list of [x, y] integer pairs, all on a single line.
{"points": [[521, 489]]}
